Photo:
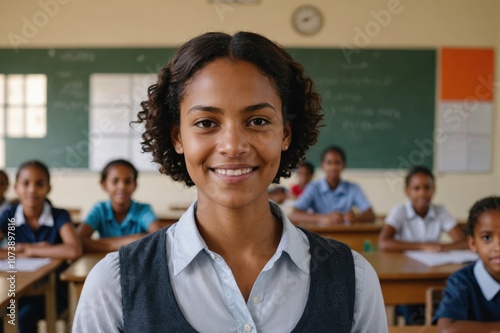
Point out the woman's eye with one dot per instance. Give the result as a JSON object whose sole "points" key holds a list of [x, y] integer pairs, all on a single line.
{"points": [[486, 238], [205, 124], [259, 122]]}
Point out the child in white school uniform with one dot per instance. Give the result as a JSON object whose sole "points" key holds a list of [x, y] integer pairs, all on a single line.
{"points": [[417, 225]]}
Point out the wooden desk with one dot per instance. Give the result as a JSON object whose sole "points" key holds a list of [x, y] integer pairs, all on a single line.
{"points": [[353, 234], [167, 221], [41, 281], [404, 280], [413, 329], [75, 275]]}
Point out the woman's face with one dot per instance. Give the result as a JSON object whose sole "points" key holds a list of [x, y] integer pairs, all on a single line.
{"points": [[231, 133]]}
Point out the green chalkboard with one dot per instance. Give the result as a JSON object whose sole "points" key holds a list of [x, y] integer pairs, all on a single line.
{"points": [[68, 71], [377, 105]]}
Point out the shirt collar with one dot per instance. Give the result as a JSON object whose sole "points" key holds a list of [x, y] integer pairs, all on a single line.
{"points": [[340, 189], [410, 212], [45, 219], [489, 286], [188, 241], [111, 217], [291, 241]]}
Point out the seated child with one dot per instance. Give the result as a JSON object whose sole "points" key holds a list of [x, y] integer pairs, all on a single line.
{"points": [[277, 194], [40, 231], [305, 174], [417, 225], [471, 299], [332, 200], [119, 220], [4, 185]]}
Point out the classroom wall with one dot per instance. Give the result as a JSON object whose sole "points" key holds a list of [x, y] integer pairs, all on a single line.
{"points": [[95, 23]]}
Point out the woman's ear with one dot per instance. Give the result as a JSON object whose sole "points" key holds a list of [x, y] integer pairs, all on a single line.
{"points": [[175, 136], [287, 135]]}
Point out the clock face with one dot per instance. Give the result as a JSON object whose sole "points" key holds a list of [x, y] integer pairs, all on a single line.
{"points": [[307, 20]]}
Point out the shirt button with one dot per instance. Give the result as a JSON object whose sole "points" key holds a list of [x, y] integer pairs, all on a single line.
{"points": [[256, 300], [247, 327], [213, 256]]}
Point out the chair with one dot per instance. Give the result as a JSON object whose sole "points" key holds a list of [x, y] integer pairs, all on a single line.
{"points": [[433, 297]]}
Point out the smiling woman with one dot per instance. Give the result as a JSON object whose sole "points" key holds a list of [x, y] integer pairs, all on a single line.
{"points": [[232, 134], [231, 115]]}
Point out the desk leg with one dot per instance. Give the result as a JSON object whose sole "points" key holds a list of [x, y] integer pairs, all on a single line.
{"points": [[50, 303], [73, 302], [8, 328], [390, 312]]}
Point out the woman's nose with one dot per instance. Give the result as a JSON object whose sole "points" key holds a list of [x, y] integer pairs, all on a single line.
{"points": [[234, 140]]}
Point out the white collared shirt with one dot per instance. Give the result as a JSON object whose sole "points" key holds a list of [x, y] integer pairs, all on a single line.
{"points": [[209, 297], [410, 227], [45, 219], [489, 286]]}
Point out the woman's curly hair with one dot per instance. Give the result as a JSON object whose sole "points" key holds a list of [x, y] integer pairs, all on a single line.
{"points": [[161, 111]]}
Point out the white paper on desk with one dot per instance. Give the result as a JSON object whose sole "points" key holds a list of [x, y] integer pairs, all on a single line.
{"points": [[442, 258], [24, 264]]}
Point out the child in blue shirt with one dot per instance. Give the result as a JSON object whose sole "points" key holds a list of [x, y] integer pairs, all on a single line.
{"points": [[119, 220], [40, 231], [471, 299], [332, 200]]}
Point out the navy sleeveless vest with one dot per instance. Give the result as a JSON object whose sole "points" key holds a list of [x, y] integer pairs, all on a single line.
{"points": [[149, 304]]}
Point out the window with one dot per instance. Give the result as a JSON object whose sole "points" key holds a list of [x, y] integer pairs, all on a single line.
{"points": [[114, 102], [23, 108]]}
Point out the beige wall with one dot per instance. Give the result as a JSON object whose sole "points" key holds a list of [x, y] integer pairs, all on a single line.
{"points": [[422, 23]]}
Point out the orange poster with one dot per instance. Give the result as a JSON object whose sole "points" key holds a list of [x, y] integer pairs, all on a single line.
{"points": [[467, 74]]}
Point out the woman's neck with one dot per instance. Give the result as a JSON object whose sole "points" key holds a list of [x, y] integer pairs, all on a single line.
{"points": [[243, 231]]}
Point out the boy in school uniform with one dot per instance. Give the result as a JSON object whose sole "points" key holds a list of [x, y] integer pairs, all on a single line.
{"points": [[332, 200], [471, 299]]}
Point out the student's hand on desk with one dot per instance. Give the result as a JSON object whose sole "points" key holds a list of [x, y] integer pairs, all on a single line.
{"points": [[29, 250], [332, 218], [348, 217]]}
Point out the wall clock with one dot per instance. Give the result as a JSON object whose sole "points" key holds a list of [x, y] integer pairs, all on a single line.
{"points": [[307, 20]]}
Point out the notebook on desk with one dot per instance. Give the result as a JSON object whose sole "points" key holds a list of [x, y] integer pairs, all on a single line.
{"points": [[443, 258], [23, 264]]}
